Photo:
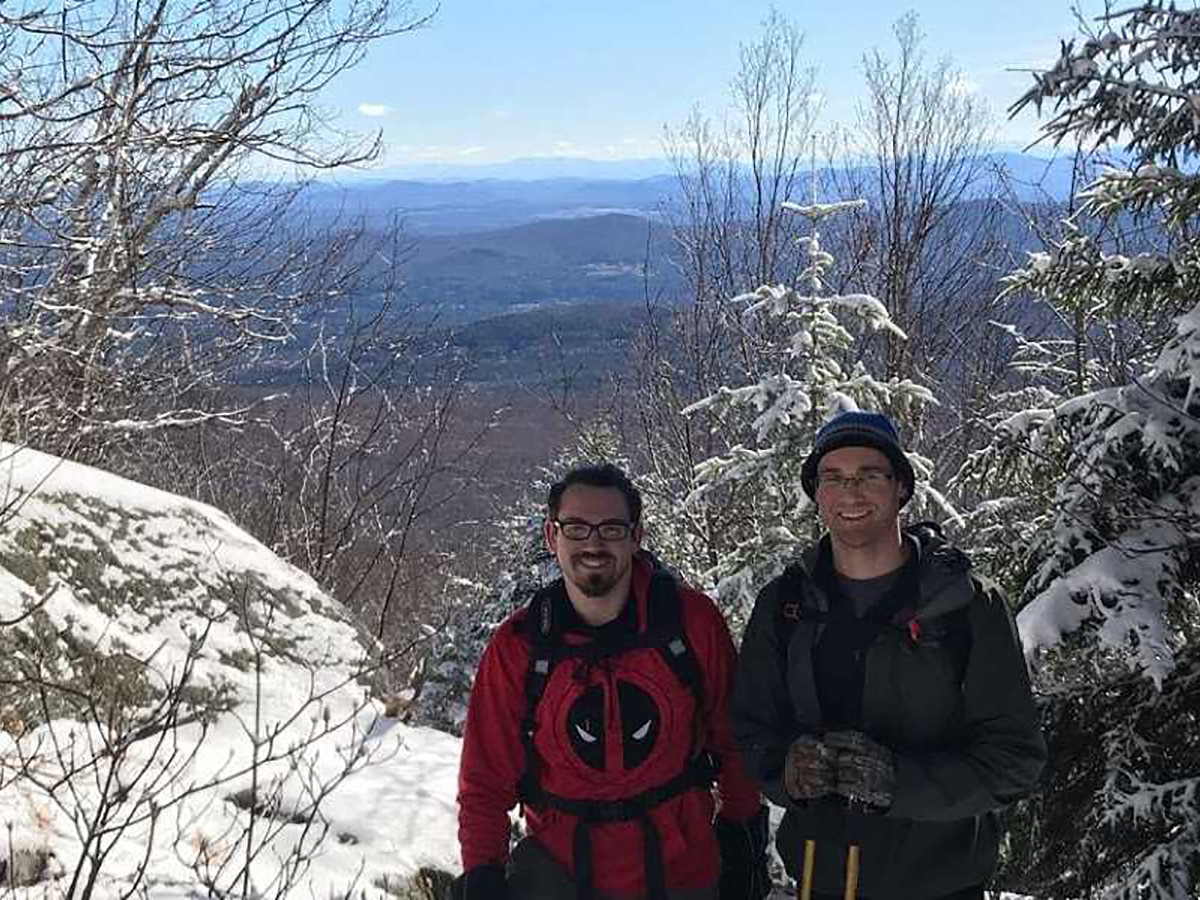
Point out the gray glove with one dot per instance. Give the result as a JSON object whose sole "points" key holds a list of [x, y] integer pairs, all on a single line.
{"points": [[808, 772], [865, 770]]}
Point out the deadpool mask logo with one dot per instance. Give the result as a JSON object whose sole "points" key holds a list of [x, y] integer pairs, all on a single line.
{"points": [[640, 724]]}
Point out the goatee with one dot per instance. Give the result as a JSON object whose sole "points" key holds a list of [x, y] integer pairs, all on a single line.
{"points": [[595, 584]]}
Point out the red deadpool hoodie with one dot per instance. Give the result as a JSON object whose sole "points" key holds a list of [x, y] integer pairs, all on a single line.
{"points": [[606, 730]]}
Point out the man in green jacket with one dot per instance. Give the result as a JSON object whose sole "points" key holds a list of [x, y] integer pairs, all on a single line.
{"points": [[881, 697]]}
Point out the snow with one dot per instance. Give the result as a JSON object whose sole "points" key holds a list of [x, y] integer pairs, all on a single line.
{"points": [[391, 805], [1182, 356], [816, 211], [1025, 421], [871, 311], [1080, 596]]}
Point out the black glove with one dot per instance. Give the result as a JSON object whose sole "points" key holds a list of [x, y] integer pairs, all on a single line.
{"points": [[485, 882], [808, 772], [865, 770], [743, 848]]}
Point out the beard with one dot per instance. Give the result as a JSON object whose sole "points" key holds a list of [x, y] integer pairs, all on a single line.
{"points": [[594, 582]]}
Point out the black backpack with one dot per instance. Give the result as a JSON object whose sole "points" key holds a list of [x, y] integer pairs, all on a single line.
{"points": [[891, 614], [665, 633]]}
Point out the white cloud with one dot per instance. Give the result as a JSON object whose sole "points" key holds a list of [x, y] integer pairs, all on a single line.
{"points": [[471, 151], [563, 147], [374, 110], [500, 112]]}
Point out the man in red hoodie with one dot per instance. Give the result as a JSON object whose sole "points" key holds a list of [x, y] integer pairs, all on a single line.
{"points": [[601, 708]]}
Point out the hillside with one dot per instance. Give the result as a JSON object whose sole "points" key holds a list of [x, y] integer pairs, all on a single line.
{"points": [[584, 342], [568, 260], [182, 709]]}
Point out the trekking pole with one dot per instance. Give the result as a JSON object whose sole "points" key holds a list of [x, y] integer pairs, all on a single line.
{"points": [[852, 853], [850, 890], [806, 875]]}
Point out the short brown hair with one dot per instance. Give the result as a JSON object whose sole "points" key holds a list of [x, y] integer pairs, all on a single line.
{"points": [[605, 475]]}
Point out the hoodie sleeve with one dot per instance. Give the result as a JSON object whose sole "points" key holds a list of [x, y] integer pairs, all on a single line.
{"points": [[1002, 751], [717, 658], [493, 754], [761, 710]]}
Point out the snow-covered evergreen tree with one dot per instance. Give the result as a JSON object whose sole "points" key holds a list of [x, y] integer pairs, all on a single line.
{"points": [[804, 342], [1104, 481]]}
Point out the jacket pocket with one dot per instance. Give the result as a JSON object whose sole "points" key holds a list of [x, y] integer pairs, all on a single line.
{"points": [[913, 693]]}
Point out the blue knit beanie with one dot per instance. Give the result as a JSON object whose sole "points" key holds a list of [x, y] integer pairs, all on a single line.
{"points": [[858, 429]]}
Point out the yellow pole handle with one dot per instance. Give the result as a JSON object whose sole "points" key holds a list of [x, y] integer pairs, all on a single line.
{"points": [[851, 871], [810, 850]]}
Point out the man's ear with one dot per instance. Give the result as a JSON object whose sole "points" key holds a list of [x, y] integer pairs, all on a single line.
{"points": [[548, 535], [638, 533]]}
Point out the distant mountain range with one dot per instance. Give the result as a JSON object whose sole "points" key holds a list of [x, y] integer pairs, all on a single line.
{"points": [[455, 207], [544, 275], [533, 168], [458, 199]]}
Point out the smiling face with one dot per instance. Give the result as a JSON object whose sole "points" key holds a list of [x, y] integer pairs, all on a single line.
{"points": [[595, 568], [859, 513]]}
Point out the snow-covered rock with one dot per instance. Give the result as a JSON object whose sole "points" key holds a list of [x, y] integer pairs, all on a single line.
{"points": [[182, 710]]}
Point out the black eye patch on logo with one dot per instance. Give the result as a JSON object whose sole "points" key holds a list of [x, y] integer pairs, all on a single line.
{"points": [[640, 723], [585, 726]]}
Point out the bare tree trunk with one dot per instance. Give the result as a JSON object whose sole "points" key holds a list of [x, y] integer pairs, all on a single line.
{"points": [[931, 240], [731, 234]]}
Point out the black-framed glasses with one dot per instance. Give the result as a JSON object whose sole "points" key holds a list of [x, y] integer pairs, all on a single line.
{"points": [[579, 530], [867, 479]]}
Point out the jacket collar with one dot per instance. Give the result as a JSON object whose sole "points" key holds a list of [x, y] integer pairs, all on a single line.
{"points": [[943, 571]]}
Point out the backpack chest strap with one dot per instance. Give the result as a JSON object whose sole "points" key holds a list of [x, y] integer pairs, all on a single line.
{"points": [[664, 632], [699, 774]]}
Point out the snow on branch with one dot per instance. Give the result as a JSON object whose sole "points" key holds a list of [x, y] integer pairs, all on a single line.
{"points": [[1119, 594], [1180, 359], [817, 211], [1133, 85]]}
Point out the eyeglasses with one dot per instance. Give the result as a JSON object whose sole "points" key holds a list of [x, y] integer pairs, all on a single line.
{"points": [[868, 480], [578, 530]]}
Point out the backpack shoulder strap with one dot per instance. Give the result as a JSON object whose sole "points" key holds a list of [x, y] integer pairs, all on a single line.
{"points": [[543, 629], [789, 605], [664, 620]]}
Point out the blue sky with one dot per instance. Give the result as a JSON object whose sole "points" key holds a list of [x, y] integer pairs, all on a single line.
{"points": [[492, 80]]}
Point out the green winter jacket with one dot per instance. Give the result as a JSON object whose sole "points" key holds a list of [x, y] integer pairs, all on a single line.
{"points": [[946, 689]]}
